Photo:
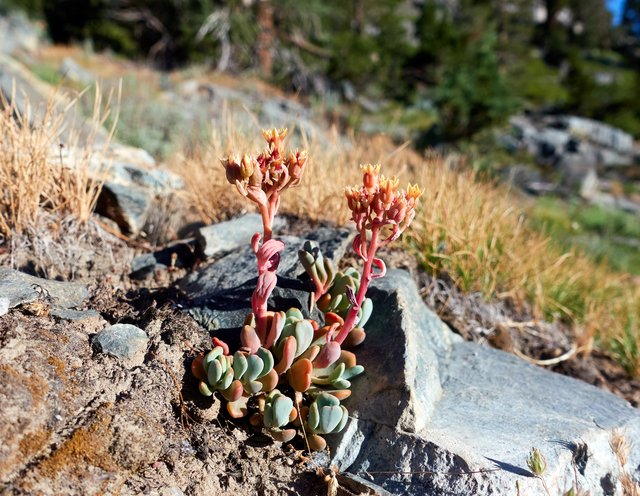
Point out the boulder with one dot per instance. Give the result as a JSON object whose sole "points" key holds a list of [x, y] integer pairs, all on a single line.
{"points": [[18, 34], [435, 415], [576, 165], [128, 206], [219, 295], [223, 237], [599, 133], [124, 341], [4, 306], [70, 69]]}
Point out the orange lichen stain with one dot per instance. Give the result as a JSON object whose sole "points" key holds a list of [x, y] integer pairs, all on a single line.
{"points": [[36, 386], [58, 366], [87, 446], [34, 443], [30, 445]]}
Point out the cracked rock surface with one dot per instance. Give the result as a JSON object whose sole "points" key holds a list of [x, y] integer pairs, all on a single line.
{"points": [[436, 415]]}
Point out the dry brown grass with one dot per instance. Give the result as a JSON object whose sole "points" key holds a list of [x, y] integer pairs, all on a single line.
{"points": [[621, 447], [474, 231], [45, 161]]}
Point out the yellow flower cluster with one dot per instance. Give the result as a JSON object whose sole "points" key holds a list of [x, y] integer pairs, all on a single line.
{"points": [[379, 202]]}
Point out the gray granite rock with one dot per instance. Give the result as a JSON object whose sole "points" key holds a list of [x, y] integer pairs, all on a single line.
{"points": [[74, 315], [223, 237], [600, 133], [4, 306], [18, 34], [155, 179], [20, 288], [122, 341], [435, 415], [128, 206], [70, 69], [219, 295]]}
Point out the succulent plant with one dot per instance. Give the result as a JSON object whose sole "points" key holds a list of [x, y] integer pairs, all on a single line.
{"points": [[381, 213], [249, 369], [339, 373], [277, 410], [326, 415], [284, 347], [340, 297], [319, 269]]}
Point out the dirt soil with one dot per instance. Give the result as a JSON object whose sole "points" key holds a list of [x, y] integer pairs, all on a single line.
{"points": [[73, 421]]}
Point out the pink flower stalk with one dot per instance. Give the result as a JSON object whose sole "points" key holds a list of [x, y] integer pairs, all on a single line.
{"points": [[381, 213], [262, 179]]}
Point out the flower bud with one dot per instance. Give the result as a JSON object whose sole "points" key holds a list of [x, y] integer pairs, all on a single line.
{"points": [[246, 167], [370, 177], [232, 169]]}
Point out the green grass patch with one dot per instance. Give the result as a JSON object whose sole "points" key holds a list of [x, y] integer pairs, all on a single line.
{"points": [[47, 72], [604, 234]]}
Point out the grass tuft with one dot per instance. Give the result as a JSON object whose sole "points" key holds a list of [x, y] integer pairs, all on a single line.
{"points": [[45, 161]]}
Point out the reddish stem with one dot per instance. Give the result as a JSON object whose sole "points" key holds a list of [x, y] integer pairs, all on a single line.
{"points": [[268, 213], [352, 316], [266, 222]]}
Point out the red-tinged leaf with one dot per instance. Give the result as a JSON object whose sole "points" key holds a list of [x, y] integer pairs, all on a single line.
{"points": [[269, 255], [249, 339], [222, 344], [329, 354], [316, 443], [197, 368], [354, 338], [269, 381], [332, 318], [293, 415], [233, 392], [284, 436], [341, 394], [359, 248], [299, 375], [255, 242], [238, 408], [288, 354], [348, 358], [383, 268], [311, 353], [324, 302], [275, 328]]}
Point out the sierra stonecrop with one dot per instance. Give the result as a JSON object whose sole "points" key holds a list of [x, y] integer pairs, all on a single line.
{"points": [[292, 372]]}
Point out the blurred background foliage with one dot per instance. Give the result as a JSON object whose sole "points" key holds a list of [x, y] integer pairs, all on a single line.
{"points": [[474, 62]]}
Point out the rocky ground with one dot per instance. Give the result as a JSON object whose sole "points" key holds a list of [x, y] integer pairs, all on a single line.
{"points": [[89, 410], [100, 398]]}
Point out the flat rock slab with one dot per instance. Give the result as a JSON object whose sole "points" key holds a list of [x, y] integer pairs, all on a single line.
{"points": [[224, 237], [74, 315], [220, 294], [124, 341], [20, 288], [435, 415]]}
